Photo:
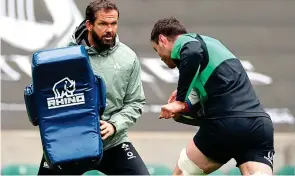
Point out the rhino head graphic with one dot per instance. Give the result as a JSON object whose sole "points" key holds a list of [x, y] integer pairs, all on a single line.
{"points": [[64, 88]]}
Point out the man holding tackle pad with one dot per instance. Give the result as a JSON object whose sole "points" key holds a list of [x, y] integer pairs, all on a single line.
{"points": [[119, 67]]}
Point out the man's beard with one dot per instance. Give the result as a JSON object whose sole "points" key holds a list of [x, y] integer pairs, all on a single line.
{"points": [[100, 43]]}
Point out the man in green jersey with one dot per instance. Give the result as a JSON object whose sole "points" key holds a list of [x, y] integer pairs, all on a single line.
{"points": [[233, 123]]}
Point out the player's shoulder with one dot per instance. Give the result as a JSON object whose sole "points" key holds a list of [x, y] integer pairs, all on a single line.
{"points": [[186, 39], [186, 43]]}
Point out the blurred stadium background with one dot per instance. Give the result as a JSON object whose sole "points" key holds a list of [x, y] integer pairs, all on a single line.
{"points": [[260, 32]]}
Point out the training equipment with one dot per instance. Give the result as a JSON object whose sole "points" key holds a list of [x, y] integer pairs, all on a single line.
{"points": [[187, 166], [66, 101]]}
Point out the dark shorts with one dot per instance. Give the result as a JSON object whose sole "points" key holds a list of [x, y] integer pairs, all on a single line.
{"points": [[244, 139], [119, 160]]}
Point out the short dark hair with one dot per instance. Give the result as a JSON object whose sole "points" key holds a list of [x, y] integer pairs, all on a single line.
{"points": [[97, 5], [169, 27]]}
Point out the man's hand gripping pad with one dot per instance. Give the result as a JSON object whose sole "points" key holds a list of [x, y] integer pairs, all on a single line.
{"points": [[67, 102]]}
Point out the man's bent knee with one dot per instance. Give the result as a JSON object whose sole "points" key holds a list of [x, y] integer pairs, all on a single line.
{"points": [[255, 168], [187, 166]]}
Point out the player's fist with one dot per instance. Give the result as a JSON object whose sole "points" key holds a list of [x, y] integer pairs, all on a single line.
{"points": [[172, 96], [169, 110], [106, 129]]}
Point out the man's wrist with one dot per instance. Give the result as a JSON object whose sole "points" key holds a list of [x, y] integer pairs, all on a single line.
{"points": [[185, 106], [114, 126]]}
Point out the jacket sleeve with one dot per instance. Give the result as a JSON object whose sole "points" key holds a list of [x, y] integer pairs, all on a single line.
{"points": [[190, 59], [134, 101]]}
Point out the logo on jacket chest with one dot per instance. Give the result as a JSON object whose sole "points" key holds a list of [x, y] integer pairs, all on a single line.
{"points": [[117, 66]]}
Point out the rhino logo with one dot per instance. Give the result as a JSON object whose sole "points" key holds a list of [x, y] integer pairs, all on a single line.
{"points": [[64, 94], [64, 88]]}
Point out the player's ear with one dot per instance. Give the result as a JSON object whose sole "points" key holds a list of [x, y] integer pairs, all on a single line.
{"points": [[162, 39], [89, 25]]}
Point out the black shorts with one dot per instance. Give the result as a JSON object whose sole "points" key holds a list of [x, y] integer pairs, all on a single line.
{"points": [[244, 139], [119, 160]]}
